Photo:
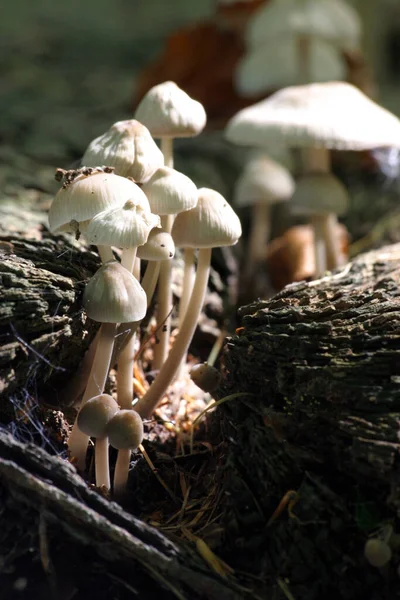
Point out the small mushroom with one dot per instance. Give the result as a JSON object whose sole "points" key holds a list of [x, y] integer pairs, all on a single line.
{"points": [[92, 420], [206, 377], [125, 433]]}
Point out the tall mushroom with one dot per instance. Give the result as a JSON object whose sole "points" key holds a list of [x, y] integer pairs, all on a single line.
{"points": [[169, 112], [169, 193], [212, 223], [262, 183], [316, 118]]}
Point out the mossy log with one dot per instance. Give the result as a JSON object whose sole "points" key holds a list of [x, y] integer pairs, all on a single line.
{"points": [[319, 430]]}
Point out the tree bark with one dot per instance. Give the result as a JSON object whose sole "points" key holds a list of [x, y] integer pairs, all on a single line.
{"points": [[43, 330], [320, 363]]}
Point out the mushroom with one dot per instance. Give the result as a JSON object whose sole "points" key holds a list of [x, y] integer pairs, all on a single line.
{"points": [[206, 377], [92, 420], [169, 193], [78, 202], [278, 63], [212, 223], [112, 296], [334, 21], [125, 433], [129, 148], [262, 183], [169, 112], [316, 118]]}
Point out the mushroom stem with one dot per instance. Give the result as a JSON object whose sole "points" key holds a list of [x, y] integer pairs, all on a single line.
{"points": [[150, 278], [128, 258], [102, 466], [167, 150], [78, 441], [187, 288], [121, 471], [188, 282], [317, 222], [149, 401], [164, 307], [334, 257], [259, 234], [316, 160], [105, 253], [304, 58]]}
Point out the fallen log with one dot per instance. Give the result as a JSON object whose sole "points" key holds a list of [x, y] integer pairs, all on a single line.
{"points": [[312, 466]]}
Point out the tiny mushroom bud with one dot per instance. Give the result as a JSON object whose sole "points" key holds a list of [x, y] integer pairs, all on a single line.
{"points": [[92, 420], [377, 552], [207, 378]]}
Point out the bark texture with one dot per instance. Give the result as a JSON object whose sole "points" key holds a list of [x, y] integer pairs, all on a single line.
{"points": [[43, 330], [321, 425]]}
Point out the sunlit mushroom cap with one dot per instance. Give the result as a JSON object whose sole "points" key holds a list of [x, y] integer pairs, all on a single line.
{"points": [[125, 430], [126, 226], [333, 20], [86, 196], [263, 180], [170, 192], [205, 377], [95, 415], [333, 115], [211, 224], [276, 65], [114, 295], [159, 246], [168, 111], [129, 148], [320, 193]]}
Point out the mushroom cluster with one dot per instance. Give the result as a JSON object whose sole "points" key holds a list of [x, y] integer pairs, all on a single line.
{"points": [[315, 119], [137, 204]]}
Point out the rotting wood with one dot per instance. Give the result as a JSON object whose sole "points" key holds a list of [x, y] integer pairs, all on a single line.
{"points": [[321, 364]]}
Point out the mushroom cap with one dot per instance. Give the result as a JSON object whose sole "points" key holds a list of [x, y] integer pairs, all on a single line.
{"points": [[168, 111], [332, 20], [129, 148], [206, 377], [334, 115], [377, 552], [126, 226], [125, 430], [210, 224], [86, 196], [263, 180], [159, 246], [114, 295], [95, 415], [170, 192], [319, 193], [276, 65]]}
